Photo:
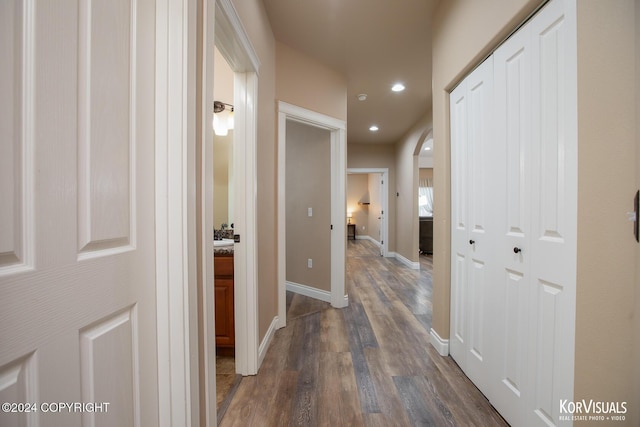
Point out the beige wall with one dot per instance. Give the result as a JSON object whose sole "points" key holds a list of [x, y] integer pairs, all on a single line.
{"points": [[425, 173], [308, 152], [378, 156], [221, 190], [407, 231], [255, 21], [606, 83], [467, 31], [307, 83]]}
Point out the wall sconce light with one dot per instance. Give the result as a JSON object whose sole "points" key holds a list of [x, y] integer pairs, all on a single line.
{"points": [[222, 118]]}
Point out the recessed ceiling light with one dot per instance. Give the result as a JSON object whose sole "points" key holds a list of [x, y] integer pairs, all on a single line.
{"points": [[362, 97], [373, 128], [398, 87], [427, 148]]}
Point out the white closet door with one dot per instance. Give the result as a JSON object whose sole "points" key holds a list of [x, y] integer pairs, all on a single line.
{"points": [[459, 223], [471, 105], [513, 212], [481, 238], [554, 223]]}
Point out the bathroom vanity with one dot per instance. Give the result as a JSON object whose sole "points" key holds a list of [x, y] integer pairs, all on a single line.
{"points": [[224, 301]]}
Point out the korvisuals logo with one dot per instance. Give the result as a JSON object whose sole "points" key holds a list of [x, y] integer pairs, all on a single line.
{"points": [[592, 410]]}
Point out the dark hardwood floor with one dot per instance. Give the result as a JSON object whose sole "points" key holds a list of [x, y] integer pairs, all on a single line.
{"points": [[369, 364]]}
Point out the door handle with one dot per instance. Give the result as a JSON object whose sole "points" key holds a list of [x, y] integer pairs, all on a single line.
{"points": [[471, 242], [517, 250]]}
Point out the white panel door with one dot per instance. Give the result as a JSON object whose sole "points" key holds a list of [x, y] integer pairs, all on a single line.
{"points": [[481, 237], [512, 64], [554, 223], [77, 268], [473, 239], [535, 80], [459, 223]]}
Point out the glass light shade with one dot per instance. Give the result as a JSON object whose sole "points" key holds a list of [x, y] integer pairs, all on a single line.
{"points": [[220, 126]]}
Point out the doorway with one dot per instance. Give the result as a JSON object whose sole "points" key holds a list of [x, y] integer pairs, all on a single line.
{"points": [[337, 129], [222, 30], [224, 229], [368, 205]]}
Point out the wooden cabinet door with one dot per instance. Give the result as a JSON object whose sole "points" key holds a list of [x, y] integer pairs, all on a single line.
{"points": [[224, 301]]}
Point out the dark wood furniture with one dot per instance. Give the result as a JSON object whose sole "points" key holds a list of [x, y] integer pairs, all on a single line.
{"points": [[224, 303], [351, 232], [426, 235]]}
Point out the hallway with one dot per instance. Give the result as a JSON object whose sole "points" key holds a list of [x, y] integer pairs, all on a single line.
{"points": [[369, 364]]}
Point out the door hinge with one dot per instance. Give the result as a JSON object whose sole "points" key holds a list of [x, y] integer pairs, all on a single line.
{"points": [[236, 238], [332, 226]]}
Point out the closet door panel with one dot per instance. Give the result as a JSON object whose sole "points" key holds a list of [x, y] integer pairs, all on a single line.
{"points": [[512, 62], [481, 229], [459, 227], [554, 161]]}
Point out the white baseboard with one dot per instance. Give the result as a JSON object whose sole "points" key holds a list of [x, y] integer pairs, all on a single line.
{"points": [[266, 341], [369, 238], [411, 264], [308, 291], [440, 344]]}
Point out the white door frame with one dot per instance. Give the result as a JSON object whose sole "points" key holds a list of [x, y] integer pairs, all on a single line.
{"points": [[338, 201], [384, 203], [174, 201]]}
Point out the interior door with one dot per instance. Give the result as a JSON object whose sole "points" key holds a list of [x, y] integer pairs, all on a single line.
{"points": [[77, 254]]}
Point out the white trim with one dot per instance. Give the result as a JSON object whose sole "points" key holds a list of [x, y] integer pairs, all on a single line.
{"points": [[207, 303], [232, 39], [384, 204], [440, 344], [414, 265], [282, 222], [173, 200], [338, 196], [266, 341], [369, 238], [308, 291], [309, 117]]}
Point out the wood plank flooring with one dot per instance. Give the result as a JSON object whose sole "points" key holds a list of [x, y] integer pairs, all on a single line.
{"points": [[369, 364]]}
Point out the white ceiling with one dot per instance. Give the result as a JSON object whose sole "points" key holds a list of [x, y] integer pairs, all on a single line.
{"points": [[374, 43]]}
